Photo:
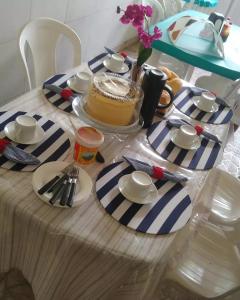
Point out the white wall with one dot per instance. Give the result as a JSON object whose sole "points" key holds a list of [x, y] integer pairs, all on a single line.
{"points": [[230, 8], [95, 21]]}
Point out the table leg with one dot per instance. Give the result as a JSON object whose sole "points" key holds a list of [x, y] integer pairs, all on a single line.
{"points": [[189, 72], [158, 59], [154, 59]]}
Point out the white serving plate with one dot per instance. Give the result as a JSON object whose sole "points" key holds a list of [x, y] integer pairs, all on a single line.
{"points": [[49, 170]]}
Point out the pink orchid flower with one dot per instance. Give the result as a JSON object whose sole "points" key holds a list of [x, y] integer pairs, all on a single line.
{"points": [[146, 38], [138, 16]]}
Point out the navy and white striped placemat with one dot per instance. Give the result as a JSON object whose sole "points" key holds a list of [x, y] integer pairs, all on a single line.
{"points": [[54, 146], [168, 214], [204, 158], [183, 102], [61, 81]]}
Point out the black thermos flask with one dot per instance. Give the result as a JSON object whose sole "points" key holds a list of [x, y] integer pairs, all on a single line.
{"points": [[153, 84]]}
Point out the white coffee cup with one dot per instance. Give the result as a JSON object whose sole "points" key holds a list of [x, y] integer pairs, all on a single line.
{"points": [[186, 135], [25, 127], [207, 100], [82, 81], [116, 61], [139, 184]]}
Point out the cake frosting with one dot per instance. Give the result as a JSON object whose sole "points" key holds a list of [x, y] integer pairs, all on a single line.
{"points": [[112, 99]]}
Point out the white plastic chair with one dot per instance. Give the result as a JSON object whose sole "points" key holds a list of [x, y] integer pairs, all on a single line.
{"points": [[223, 205], [218, 84], [42, 35], [232, 97], [209, 266], [158, 11], [171, 7]]}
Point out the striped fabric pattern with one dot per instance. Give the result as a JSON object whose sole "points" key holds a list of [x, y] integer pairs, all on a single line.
{"points": [[204, 158], [168, 214], [54, 146], [184, 103], [61, 81]]}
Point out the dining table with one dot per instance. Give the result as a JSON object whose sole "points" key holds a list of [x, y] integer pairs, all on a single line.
{"points": [[194, 50], [83, 252]]}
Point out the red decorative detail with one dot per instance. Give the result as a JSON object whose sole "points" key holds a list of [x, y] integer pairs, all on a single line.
{"points": [[170, 28], [3, 144], [199, 129], [214, 93], [66, 93], [124, 54], [158, 173]]}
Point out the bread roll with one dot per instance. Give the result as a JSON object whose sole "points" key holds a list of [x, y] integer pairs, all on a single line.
{"points": [[170, 74], [175, 84], [164, 99], [166, 71], [173, 75]]}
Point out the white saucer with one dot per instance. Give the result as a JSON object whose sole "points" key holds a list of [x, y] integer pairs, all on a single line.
{"points": [[197, 103], [123, 69], [195, 144], [151, 197], [49, 170], [9, 131], [71, 83]]}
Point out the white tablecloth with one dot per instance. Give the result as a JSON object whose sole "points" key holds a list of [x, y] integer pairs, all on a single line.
{"points": [[83, 253]]}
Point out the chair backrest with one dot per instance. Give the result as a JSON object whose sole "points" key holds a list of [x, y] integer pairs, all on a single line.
{"points": [[232, 89], [42, 36], [158, 10], [206, 263], [232, 97], [171, 7]]}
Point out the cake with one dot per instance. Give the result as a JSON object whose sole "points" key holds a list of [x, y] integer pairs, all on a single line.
{"points": [[176, 85], [112, 99]]}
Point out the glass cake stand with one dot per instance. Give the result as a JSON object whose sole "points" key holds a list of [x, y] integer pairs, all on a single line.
{"points": [[78, 105]]}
